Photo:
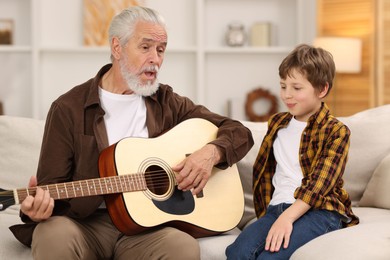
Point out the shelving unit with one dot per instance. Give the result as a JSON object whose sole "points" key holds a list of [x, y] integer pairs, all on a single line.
{"points": [[48, 57]]}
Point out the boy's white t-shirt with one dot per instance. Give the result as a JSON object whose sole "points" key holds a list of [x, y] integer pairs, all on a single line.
{"points": [[125, 115], [288, 174]]}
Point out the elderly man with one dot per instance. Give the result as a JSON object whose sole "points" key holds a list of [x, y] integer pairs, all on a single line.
{"points": [[124, 99]]}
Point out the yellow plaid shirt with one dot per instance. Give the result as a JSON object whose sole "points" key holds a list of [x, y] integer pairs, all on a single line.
{"points": [[323, 155]]}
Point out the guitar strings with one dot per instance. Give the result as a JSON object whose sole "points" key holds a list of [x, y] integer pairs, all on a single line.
{"points": [[156, 178]]}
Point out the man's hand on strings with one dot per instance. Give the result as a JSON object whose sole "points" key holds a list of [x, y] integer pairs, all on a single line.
{"points": [[195, 170]]}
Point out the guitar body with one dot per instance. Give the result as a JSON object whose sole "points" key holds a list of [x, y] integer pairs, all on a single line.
{"points": [[217, 209]]}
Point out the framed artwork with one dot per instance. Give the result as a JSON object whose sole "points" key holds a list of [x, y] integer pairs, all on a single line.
{"points": [[97, 18], [6, 31]]}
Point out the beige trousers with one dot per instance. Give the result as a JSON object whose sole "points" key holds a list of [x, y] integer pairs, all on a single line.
{"points": [[97, 238]]}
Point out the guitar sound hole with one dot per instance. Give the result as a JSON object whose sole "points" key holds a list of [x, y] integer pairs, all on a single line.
{"points": [[157, 180]]}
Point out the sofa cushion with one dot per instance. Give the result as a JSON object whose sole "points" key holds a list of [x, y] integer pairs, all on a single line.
{"points": [[245, 168], [377, 193], [20, 140], [10, 248], [370, 143], [368, 240], [213, 248]]}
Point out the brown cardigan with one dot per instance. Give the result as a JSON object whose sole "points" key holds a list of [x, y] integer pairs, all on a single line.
{"points": [[75, 135]]}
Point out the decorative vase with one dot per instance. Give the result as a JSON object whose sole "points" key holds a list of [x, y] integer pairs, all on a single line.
{"points": [[235, 35]]}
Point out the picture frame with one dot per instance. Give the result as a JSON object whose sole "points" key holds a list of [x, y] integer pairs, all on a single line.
{"points": [[97, 19], [6, 31]]}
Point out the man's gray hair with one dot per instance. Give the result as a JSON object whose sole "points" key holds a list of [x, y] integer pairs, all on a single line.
{"points": [[123, 24]]}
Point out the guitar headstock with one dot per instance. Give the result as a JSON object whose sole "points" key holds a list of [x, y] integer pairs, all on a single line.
{"points": [[6, 199]]}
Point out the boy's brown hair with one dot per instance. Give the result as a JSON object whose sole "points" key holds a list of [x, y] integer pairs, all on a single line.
{"points": [[316, 64]]}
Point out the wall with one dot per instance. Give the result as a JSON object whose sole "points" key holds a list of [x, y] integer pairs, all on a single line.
{"points": [[352, 18], [383, 52]]}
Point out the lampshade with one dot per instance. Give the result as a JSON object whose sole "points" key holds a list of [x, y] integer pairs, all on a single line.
{"points": [[347, 52]]}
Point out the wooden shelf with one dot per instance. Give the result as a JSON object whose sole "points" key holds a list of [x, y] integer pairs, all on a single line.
{"points": [[198, 64]]}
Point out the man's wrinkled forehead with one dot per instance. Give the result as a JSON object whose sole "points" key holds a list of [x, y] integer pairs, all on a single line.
{"points": [[149, 32]]}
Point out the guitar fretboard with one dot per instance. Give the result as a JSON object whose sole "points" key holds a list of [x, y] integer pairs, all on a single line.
{"points": [[90, 187]]}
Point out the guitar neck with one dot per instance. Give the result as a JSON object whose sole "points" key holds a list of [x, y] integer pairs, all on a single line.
{"points": [[90, 187]]}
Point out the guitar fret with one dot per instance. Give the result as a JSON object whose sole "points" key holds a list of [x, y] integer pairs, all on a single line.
{"points": [[95, 187], [81, 188], [106, 182], [95, 183], [123, 183], [132, 183], [109, 185], [114, 189], [89, 191], [90, 187], [126, 182], [101, 186], [77, 190], [73, 188], [66, 190], [58, 193], [136, 181], [61, 190], [141, 183], [116, 183]]}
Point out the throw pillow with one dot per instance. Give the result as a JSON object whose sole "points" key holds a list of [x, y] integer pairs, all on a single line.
{"points": [[370, 143], [377, 193], [20, 140]]}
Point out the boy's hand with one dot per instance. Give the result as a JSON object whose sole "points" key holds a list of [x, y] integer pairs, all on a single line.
{"points": [[282, 228], [280, 231]]}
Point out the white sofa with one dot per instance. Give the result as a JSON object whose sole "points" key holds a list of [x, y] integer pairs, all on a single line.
{"points": [[367, 178]]}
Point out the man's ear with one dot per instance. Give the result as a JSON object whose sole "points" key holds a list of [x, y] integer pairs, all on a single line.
{"points": [[116, 48], [324, 91]]}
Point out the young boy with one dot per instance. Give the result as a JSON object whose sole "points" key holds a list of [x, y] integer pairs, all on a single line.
{"points": [[297, 176]]}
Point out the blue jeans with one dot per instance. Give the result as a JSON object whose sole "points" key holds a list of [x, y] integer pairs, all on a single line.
{"points": [[250, 244]]}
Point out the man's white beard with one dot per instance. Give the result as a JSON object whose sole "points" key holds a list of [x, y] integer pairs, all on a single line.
{"points": [[134, 83]]}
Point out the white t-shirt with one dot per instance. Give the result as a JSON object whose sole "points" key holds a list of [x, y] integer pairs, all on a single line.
{"points": [[125, 115], [288, 174]]}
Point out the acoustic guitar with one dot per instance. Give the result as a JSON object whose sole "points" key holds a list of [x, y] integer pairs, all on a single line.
{"points": [[140, 187]]}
